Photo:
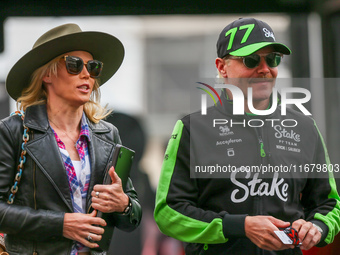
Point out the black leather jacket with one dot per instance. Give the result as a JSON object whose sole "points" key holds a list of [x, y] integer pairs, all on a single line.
{"points": [[34, 222]]}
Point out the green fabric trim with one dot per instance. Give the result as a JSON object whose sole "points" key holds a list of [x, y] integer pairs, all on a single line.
{"points": [[331, 219], [173, 223], [250, 49]]}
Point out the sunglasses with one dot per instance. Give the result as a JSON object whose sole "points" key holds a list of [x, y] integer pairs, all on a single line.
{"points": [[272, 59], [75, 65]]}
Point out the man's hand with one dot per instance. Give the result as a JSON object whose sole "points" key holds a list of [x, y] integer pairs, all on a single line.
{"points": [[110, 198], [260, 230], [308, 234]]}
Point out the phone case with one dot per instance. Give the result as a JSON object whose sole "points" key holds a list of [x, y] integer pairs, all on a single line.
{"points": [[122, 161]]}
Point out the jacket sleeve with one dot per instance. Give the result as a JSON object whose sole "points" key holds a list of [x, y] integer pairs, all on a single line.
{"points": [[16, 219], [320, 197], [130, 221], [177, 212]]}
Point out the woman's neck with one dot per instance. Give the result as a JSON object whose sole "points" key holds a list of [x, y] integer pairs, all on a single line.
{"points": [[65, 118]]}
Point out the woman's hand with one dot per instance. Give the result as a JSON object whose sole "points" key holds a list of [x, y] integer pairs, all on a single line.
{"points": [[110, 198], [79, 227]]}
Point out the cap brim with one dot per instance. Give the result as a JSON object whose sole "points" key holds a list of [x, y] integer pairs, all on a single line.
{"points": [[102, 46], [250, 49]]}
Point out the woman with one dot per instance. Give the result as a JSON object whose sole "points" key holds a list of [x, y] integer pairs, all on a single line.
{"points": [[69, 148]]}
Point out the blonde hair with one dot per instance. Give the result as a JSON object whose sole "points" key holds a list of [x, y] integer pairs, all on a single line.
{"points": [[35, 93]]}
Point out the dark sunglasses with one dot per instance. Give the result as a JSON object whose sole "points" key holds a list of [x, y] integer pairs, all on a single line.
{"points": [[75, 65], [272, 59]]}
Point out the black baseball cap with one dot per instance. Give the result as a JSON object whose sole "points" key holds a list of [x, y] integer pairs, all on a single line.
{"points": [[244, 36]]}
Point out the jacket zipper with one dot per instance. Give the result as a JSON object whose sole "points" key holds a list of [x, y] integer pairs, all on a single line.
{"points": [[263, 155], [35, 206], [262, 151], [34, 197], [260, 140], [258, 132]]}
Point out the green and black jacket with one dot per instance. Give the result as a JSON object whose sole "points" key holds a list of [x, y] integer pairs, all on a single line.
{"points": [[207, 209]]}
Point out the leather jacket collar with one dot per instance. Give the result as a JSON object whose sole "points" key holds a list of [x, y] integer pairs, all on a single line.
{"points": [[43, 146], [36, 118]]}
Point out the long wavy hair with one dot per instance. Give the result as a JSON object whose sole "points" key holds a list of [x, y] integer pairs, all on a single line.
{"points": [[35, 93]]}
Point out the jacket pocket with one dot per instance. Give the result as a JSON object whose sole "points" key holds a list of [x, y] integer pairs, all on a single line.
{"points": [[16, 246]]}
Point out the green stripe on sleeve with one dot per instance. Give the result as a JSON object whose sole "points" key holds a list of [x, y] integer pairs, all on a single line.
{"points": [[173, 223], [331, 219]]}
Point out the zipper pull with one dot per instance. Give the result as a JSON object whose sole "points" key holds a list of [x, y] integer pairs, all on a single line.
{"points": [[263, 153]]}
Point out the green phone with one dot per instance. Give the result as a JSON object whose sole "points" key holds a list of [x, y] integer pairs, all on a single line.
{"points": [[122, 159]]}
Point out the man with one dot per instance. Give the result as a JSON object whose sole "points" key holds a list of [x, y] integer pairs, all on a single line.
{"points": [[239, 212]]}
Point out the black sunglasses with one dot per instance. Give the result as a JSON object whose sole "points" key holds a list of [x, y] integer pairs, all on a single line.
{"points": [[75, 65], [272, 59]]}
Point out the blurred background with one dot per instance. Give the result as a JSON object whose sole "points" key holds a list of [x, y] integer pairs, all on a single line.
{"points": [[170, 45]]}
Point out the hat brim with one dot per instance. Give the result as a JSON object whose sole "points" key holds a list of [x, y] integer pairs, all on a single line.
{"points": [[102, 46], [250, 49]]}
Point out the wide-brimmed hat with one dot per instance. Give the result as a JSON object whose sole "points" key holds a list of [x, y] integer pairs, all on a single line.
{"points": [[59, 40], [244, 36]]}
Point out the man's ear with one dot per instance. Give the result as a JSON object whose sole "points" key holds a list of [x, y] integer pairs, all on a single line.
{"points": [[220, 65]]}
